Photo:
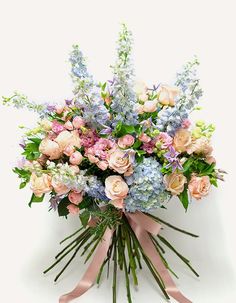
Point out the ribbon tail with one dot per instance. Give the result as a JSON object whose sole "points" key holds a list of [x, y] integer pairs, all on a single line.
{"points": [[155, 258], [90, 275]]}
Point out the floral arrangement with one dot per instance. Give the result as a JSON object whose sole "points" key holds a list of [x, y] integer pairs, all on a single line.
{"points": [[111, 155]]}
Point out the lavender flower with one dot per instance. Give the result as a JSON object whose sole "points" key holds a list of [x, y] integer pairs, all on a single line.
{"points": [[172, 158]]}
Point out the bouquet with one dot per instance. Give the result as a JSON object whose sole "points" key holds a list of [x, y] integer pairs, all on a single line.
{"points": [[112, 154]]}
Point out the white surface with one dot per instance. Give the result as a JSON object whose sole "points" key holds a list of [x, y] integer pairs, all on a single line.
{"points": [[36, 37]]}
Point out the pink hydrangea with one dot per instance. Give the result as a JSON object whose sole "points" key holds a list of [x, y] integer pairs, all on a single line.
{"points": [[89, 138], [57, 127]]}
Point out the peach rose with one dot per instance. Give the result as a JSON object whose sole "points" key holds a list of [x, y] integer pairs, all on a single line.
{"points": [[175, 183], [150, 106], [46, 125], [167, 95], [116, 188], [140, 109], [119, 203], [182, 140], [50, 148], [40, 185], [199, 186], [76, 158], [75, 197], [126, 141], [64, 139], [75, 169], [120, 160], [59, 187], [73, 209], [200, 146]]}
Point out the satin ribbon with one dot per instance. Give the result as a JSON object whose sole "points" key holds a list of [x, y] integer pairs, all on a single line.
{"points": [[141, 225], [90, 275]]}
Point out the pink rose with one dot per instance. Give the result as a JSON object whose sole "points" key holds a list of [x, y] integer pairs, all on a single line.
{"points": [[165, 140], [182, 140], [118, 203], [120, 160], [73, 209], [103, 165], [126, 141], [75, 197], [210, 160], [93, 159], [78, 122], [175, 183], [76, 158], [68, 125], [116, 188], [59, 187], [75, 169], [167, 95], [140, 109], [69, 150], [144, 138], [50, 148], [150, 106], [199, 186], [40, 184]]}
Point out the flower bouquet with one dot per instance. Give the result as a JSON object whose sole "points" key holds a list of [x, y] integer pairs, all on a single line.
{"points": [[111, 155]]}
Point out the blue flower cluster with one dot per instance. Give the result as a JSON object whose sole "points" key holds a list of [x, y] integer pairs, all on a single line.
{"points": [[147, 189], [188, 82], [124, 101], [171, 118], [95, 188], [86, 92]]}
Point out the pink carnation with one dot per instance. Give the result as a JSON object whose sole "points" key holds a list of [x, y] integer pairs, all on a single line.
{"points": [[57, 127]]}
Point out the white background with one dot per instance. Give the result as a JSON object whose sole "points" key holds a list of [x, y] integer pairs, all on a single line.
{"points": [[35, 39]]}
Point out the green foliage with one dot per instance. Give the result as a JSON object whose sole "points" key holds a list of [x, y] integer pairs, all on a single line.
{"points": [[24, 175], [35, 199], [84, 218], [184, 198], [31, 150], [62, 207], [198, 166]]}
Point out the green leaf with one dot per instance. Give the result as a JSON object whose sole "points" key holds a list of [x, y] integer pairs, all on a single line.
{"points": [[35, 199], [137, 144], [184, 198], [22, 185], [87, 201], [62, 207], [35, 140], [84, 218]]}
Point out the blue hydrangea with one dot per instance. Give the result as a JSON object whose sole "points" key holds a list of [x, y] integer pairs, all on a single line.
{"points": [[87, 95], [124, 101], [146, 187], [95, 188]]}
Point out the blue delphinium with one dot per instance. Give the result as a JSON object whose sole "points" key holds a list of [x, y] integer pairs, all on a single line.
{"points": [[147, 189], [124, 101], [87, 95]]}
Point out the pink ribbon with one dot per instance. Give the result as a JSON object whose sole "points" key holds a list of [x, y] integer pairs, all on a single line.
{"points": [[141, 225], [91, 274]]}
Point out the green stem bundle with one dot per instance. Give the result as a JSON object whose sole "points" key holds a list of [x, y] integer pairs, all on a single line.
{"points": [[125, 252]]}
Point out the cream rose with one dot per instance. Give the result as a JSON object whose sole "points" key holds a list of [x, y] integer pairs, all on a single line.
{"points": [[66, 138], [182, 140], [199, 186], [120, 161], [116, 188], [200, 146], [50, 148], [40, 185], [167, 95], [175, 183], [150, 106]]}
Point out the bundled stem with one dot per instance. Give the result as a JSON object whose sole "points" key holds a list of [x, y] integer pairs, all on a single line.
{"points": [[125, 252]]}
